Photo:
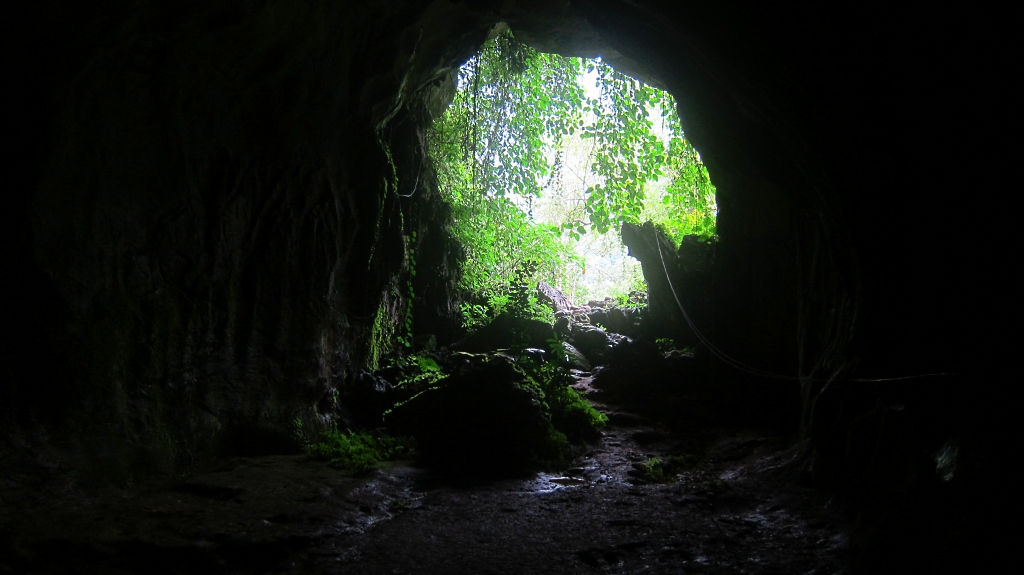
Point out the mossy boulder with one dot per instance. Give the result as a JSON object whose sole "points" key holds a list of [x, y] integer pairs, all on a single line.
{"points": [[486, 419], [508, 331], [574, 359]]}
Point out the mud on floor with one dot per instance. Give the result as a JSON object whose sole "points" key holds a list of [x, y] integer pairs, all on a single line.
{"points": [[735, 508]]}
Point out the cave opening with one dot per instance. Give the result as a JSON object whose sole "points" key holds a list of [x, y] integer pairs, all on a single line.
{"points": [[549, 165], [537, 149], [225, 244]]}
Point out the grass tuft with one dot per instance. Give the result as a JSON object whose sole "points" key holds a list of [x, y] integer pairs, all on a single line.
{"points": [[656, 470]]}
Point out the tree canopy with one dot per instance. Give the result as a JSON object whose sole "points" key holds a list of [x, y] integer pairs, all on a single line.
{"points": [[503, 144]]}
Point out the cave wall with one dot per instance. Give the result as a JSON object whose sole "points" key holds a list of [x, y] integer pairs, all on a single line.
{"points": [[828, 133], [210, 205], [207, 222], [843, 142]]}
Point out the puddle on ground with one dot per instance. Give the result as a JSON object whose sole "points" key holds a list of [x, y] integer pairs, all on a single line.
{"points": [[567, 481], [547, 483]]}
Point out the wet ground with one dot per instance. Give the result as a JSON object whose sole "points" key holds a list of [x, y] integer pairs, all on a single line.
{"points": [[739, 508]]}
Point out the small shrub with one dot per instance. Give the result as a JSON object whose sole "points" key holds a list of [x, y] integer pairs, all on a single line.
{"points": [[415, 369], [656, 470], [474, 316], [571, 413], [665, 344], [426, 364], [554, 451], [574, 415], [653, 470]]}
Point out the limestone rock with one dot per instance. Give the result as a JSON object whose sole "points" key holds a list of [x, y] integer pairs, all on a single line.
{"points": [[553, 297], [563, 326], [588, 337], [507, 331], [575, 359]]}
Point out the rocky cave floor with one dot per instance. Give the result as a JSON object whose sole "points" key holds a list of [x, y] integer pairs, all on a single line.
{"points": [[740, 510]]}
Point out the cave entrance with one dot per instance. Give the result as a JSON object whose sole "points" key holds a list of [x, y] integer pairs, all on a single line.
{"points": [[547, 163], [544, 158]]}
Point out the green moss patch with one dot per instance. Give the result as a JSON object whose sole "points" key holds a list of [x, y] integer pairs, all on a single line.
{"points": [[657, 470], [358, 452]]}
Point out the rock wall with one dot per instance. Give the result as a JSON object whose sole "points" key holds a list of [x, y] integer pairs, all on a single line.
{"points": [[217, 213], [211, 207]]}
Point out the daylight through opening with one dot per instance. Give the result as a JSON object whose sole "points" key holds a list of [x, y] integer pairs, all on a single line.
{"points": [[544, 158]]}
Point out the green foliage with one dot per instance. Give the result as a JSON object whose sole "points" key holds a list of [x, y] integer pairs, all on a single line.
{"points": [[637, 166], [635, 299], [358, 452], [380, 337], [688, 201], [490, 151], [656, 470], [653, 471], [665, 344], [633, 294], [418, 369], [405, 337], [555, 450], [501, 144], [629, 154], [426, 364], [476, 315], [514, 296], [571, 413]]}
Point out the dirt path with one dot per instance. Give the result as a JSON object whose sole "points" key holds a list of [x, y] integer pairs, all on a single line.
{"points": [[737, 510], [730, 515]]}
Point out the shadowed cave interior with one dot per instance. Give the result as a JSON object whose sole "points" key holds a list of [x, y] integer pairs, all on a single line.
{"points": [[206, 236]]}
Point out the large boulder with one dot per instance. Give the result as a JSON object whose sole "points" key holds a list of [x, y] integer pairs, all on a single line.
{"points": [[587, 337], [574, 359], [615, 319], [486, 419], [553, 297], [507, 331], [687, 285], [563, 326], [592, 341], [639, 376]]}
